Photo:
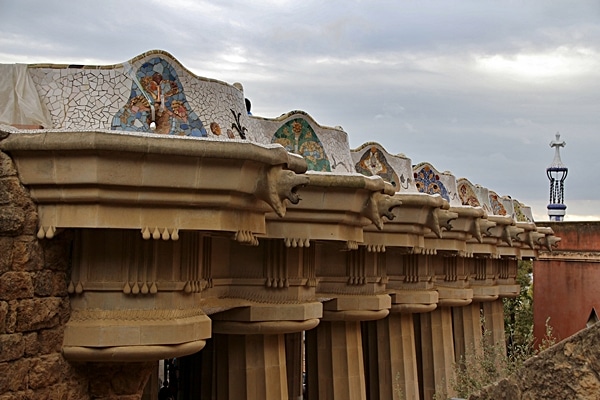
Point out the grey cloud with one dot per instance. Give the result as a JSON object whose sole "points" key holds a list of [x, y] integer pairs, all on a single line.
{"points": [[403, 74]]}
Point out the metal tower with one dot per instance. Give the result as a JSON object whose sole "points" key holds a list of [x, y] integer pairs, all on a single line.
{"points": [[557, 173]]}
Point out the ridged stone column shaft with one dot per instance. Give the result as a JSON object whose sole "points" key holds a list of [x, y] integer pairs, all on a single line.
{"points": [[493, 314], [294, 364], [437, 353], [251, 367], [335, 361], [392, 360], [468, 339]]}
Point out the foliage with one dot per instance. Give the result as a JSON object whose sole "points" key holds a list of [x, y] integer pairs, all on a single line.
{"points": [[479, 368], [493, 363], [518, 315], [497, 361]]}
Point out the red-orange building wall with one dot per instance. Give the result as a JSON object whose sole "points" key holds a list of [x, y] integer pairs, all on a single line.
{"points": [[566, 282]]}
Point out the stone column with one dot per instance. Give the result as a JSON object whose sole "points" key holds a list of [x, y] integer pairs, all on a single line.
{"points": [[294, 363], [467, 333], [391, 358], [334, 350], [250, 349], [335, 361], [437, 353], [493, 313], [251, 367], [392, 371]]}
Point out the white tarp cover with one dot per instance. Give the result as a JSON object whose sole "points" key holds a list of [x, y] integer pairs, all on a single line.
{"points": [[19, 100]]}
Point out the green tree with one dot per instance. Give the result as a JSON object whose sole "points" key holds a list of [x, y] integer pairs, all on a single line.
{"points": [[518, 316]]}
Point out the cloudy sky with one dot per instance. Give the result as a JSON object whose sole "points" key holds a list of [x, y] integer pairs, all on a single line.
{"points": [[478, 88]]}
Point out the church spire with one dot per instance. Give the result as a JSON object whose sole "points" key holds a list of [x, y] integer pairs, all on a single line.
{"points": [[557, 173]]}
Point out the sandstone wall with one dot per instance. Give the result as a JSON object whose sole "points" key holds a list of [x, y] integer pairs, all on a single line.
{"points": [[568, 370], [34, 307]]}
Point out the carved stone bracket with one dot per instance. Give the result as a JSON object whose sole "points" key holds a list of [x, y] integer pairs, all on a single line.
{"points": [[501, 230], [440, 218], [276, 185], [485, 225], [514, 232], [549, 241], [476, 229], [380, 205]]}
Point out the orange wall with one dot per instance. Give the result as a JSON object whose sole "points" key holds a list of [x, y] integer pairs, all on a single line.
{"points": [[567, 281]]}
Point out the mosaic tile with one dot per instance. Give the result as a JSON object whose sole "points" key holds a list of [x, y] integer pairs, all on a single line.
{"points": [[372, 159], [523, 213], [429, 181], [297, 136], [157, 102], [496, 204], [467, 194]]}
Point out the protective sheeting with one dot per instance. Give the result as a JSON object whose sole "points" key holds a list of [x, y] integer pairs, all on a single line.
{"points": [[19, 101]]}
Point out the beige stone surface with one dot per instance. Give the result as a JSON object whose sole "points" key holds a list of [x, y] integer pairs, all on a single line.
{"points": [[468, 337], [391, 360], [437, 352], [90, 168], [335, 359], [251, 367], [269, 312], [493, 317]]}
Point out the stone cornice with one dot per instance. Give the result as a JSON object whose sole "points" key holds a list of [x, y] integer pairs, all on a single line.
{"points": [[336, 207], [154, 183]]}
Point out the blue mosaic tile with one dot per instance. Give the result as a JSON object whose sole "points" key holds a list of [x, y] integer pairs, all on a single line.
{"points": [[427, 181], [156, 84]]}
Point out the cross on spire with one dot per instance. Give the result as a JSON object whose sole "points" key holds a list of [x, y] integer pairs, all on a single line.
{"points": [[557, 173], [557, 144]]}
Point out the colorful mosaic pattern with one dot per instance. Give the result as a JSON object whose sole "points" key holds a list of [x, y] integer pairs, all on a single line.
{"points": [[156, 84], [373, 162], [519, 214], [427, 181], [297, 136], [467, 196], [497, 206]]}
